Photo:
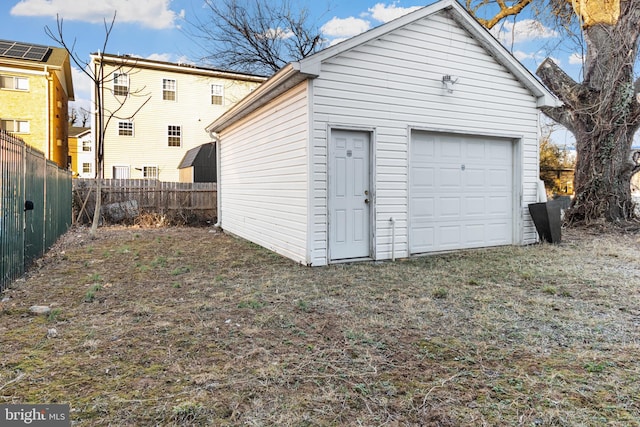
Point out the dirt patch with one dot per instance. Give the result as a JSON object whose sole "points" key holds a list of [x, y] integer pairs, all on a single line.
{"points": [[189, 326]]}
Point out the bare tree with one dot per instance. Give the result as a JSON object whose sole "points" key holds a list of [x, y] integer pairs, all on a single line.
{"points": [[84, 116], [73, 116], [100, 79], [602, 111], [255, 36]]}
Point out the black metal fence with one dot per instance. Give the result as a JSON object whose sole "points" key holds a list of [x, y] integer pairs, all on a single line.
{"points": [[26, 234]]}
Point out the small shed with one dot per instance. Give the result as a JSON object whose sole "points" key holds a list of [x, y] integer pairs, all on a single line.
{"points": [[418, 136], [199, 164]]}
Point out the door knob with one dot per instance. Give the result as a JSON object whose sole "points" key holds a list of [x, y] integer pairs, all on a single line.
{"points": [[366, 200]]}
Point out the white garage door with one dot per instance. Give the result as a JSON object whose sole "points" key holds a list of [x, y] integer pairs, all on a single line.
{"points": [[461, 192]]}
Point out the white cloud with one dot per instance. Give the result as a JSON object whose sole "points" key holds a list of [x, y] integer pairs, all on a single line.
{"points": [[154, 14], [521, 31], [344, 28], [338, 40], [340, 29], [537, 57], [279, 33], [576, 58], [163, 57], [82, 87], [521, 56], [385, 13]]}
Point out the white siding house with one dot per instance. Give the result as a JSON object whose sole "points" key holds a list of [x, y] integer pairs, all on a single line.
{"points": [[157, 112], [418, 136], [82, 152]]}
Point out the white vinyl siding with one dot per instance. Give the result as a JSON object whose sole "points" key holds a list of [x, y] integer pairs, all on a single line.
{"points": [[394, 84], [264, 180]]}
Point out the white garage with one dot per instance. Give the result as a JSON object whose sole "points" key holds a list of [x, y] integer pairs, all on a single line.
{"points": [[461, 192], [418, 136]]}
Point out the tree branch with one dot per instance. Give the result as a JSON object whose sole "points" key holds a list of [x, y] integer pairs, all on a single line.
{"points": [[564, 87], [561, 115], [504, 12]]}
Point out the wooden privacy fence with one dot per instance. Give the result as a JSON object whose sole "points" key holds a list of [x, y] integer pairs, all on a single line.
{"points": [[143, 200]]}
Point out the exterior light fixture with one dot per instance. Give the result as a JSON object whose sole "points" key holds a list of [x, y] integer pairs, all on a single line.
{"points": [[448, 81]]}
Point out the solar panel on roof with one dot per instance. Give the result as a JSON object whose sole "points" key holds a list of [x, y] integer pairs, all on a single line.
{"points": [[18, 50]]}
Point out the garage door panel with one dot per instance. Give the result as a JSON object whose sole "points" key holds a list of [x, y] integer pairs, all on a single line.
{"points": [[474, 178], [498, 233], [423, 177], [451, 150], [450, 236], [475, 151], [469, 200], [499, 179], [475, 234], [426, 148], [498, 205], [423, 238], [475, 206], [449, 207], [449, 178], [499, 151], [425, 208]]}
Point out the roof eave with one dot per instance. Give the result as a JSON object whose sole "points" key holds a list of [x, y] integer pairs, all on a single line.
{"points": [[288, 76], [134, 61]]}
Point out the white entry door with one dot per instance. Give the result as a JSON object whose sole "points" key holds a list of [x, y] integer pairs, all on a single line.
{"points": [[461, 192], [349, 195]]}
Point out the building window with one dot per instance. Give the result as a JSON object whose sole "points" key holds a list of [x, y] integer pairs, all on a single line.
{"points": [[14, 83], [174, 134], [125, 128], [217, 94], [86, 168], [121, 84], [86, 145], [150, 172], [169, 89], [121, 172], [15, 126]]}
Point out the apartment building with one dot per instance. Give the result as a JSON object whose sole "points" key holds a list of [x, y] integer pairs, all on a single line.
{"points": [[155, 112], [35, 90]]}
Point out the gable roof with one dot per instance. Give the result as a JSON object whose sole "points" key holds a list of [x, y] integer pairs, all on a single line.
{"points": [[308, 68], [78, 131], [190, 156]]}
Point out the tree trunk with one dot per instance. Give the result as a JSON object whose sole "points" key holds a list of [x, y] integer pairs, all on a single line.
{"points": [[96, 211], [603, 114]]}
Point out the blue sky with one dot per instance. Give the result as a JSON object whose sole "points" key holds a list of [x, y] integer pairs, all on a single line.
{"points": [[154, 29]]}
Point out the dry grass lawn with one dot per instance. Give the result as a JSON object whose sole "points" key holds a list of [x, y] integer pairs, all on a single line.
{"points": [[186, 326]]}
